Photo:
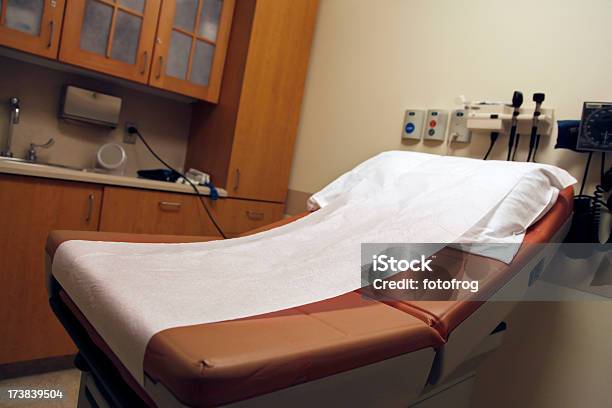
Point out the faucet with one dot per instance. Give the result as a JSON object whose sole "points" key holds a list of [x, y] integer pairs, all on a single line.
{"points": [[33, 146], [15, 113]]}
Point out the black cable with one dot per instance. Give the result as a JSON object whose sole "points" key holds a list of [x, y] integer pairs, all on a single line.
{"points": [[516, 145], [517, 101], [538, 98], [535, 149], [531, 146], [133, 130], [494, 136], [586, 172], [510, 144]]}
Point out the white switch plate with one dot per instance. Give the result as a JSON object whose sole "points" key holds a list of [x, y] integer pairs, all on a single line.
{"points": [[435, 124], [457, 129], [413, 124]]}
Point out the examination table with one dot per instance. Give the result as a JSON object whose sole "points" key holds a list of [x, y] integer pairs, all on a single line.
{"points": [[349, 349]]}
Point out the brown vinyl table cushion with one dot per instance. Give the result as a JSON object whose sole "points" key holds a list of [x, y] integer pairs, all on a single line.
{"points": [[218, 363], [211, 364]]}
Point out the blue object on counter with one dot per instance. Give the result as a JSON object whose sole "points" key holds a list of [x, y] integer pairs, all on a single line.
{"points": [[172, 176], [159, 175], [214, 194]]}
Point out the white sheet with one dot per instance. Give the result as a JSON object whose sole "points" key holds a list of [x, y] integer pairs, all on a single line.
{"points": [[498, 234], [129, 292]]}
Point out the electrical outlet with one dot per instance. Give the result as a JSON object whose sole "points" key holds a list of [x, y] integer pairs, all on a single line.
{"points": [[129, 138], [458, 130]]}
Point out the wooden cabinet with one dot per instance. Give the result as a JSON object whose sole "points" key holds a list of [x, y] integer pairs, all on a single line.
{"points": [[154, 212], [246, 141], [115, 38], [33, 26], [190, 48], [29, 209], [178, 46]]}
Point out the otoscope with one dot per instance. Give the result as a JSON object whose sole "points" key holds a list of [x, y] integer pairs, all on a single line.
{"points": [[538, 98], [517, 101]]}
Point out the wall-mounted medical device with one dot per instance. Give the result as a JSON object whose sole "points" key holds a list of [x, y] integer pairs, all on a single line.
{"points": [[91, 107], [413, 124], [435, 124], [488, 118], [596, 127]]}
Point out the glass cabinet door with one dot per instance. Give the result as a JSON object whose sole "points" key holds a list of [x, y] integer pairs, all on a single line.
{"points": [[191, 45], [111, 36], [31, 25]]}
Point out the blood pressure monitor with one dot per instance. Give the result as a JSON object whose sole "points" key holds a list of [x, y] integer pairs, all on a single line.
{"points": [[596, 127]]}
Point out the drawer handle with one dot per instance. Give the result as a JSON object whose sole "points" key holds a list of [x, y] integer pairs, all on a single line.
{"points": [[256, 216], [51, 33], [145, 62], [169, 206], [160, 67], [237, 180], [90, 204]]}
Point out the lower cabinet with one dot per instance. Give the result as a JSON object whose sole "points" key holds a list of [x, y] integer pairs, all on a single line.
{"points": [[154, 212], [29, 209]]}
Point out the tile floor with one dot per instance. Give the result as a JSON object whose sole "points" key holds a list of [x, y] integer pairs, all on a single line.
{"points": [[67, 381]]}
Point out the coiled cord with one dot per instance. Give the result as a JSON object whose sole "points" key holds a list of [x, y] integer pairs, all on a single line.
{"points": [[598, 196]]}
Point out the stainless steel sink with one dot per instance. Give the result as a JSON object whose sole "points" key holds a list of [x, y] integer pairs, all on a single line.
{"points": [[31, 163]]}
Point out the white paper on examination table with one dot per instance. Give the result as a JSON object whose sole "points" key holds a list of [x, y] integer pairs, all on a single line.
{"points": [[129, 292]]}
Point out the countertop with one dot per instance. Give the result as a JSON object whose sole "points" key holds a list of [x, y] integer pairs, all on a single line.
{"points": [[85, 176]]}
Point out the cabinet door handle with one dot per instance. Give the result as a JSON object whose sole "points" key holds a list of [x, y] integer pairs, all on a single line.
{"points": [[237, 179], [145, 62], [256, 216], [90, 205], [169, 206], [51, 33], [159, 67]]}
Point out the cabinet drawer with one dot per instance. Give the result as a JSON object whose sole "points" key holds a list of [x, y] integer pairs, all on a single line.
{"points": [[153, 212], [237, 216]]}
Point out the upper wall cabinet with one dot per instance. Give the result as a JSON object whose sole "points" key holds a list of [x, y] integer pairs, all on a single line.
{"points": [[31, 25], [190, 48], [245, 142], [115, 37], [176, 45]]}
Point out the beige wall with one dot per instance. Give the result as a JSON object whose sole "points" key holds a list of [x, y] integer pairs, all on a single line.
{"points": [[555, 355], [372, 59], [164, 122]]}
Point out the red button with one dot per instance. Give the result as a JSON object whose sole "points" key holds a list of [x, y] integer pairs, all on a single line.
{"points": [[433, 123]]}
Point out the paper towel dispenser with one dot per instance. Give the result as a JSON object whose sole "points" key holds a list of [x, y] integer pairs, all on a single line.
{"points": [[92, 107]]}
